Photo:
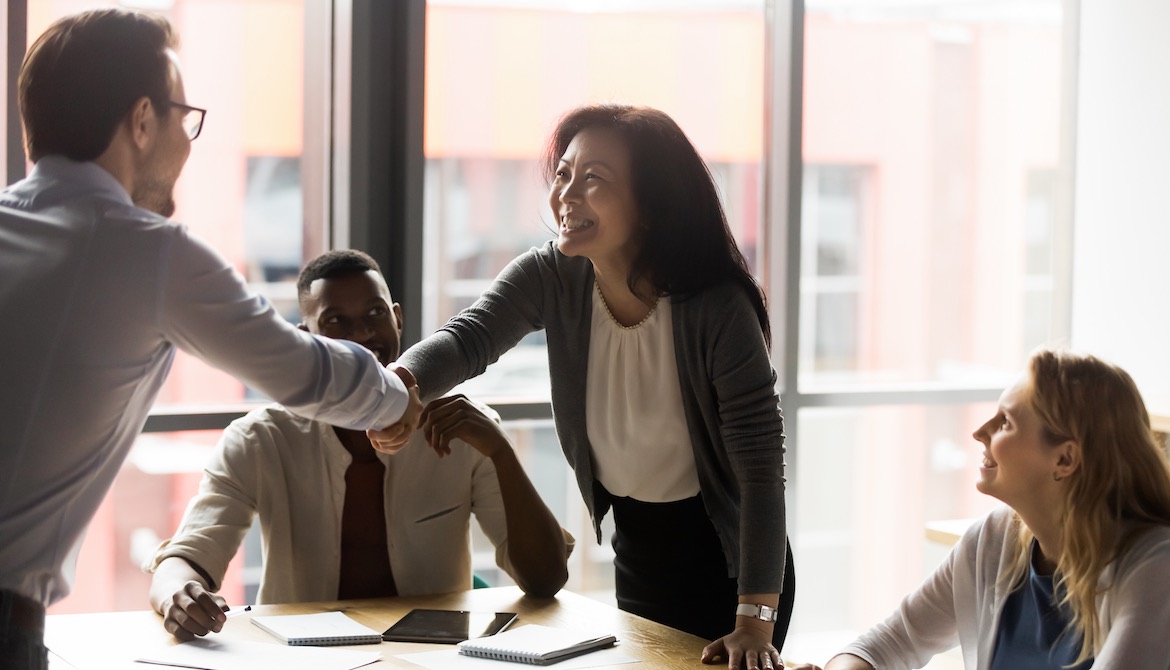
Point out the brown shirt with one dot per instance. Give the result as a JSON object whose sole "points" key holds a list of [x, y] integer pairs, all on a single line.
{"points": [[365, 558]]}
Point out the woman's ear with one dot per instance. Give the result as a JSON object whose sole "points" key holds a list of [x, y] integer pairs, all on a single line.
{"points": [[1068, 459]]}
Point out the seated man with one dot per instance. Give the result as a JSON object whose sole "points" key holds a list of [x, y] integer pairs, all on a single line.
{"points": [[340, 520]]}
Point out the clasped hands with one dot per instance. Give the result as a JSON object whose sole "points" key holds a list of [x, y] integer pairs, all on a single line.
{"points": [[393, 438], [442, 421]]}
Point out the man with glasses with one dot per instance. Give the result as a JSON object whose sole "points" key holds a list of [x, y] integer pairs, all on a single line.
{"points": [[98, 287]]}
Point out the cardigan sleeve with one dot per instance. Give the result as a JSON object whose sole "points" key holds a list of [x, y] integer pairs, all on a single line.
{"points": [[1139, 608], [752, 433], [477, 337]]}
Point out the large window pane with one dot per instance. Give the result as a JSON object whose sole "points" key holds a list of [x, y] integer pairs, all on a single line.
{"points": [[868, 481], [932, 155], [498, 75], [932, 232]]}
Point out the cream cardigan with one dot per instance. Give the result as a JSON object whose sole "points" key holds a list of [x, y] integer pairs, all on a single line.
{"points": [[290, 472]]}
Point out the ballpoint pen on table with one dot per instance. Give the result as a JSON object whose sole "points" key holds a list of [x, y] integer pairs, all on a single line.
{"points": [[237, 610]]}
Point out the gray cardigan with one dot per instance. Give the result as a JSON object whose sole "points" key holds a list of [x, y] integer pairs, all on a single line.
{"points": [[727, 381]]}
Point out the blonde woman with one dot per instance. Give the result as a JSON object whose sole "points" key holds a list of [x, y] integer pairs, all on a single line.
{"points": [[1075, 572]]}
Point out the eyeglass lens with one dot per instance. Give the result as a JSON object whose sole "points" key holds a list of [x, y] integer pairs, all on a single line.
{"points": [[192, 122]]}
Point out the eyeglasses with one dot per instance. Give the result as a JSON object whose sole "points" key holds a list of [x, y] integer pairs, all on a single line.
{"points": [[191, 118]]}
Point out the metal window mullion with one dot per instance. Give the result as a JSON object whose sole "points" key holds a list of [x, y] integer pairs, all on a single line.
{"points": [[179, 420], [783, 167], [924, 395], [176, 420], [385, 143], [17, 39], [316, 131], [1065, 218]]}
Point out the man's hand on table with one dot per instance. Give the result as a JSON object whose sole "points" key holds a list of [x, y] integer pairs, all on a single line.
{"points": [[193, 612]]}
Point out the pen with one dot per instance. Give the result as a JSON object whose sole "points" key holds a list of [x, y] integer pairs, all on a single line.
{"points": [[233, 612]]}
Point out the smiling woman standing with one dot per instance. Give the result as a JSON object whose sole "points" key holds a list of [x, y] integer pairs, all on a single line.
{"points": [[663, 394], [1075, 572]]}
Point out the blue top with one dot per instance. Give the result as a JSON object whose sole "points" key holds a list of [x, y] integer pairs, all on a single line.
{"points": [[1032, 626]]}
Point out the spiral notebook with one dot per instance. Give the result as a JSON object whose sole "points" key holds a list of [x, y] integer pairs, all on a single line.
{"points": [[535, 644], [323, 629]]}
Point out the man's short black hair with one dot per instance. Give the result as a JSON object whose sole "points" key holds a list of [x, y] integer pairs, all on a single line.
{"points": [[335, 263]]}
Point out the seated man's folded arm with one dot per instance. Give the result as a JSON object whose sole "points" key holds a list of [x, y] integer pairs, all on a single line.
{"points": [[531, 545]]}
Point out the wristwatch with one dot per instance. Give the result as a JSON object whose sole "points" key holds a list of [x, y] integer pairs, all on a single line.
{"points": [[761, 612]]}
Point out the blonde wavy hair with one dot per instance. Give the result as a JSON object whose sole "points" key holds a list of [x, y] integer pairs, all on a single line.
{"points": [[1120, 489]]}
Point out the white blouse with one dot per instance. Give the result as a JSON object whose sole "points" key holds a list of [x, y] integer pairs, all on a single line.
{"points": [[633, 408]]}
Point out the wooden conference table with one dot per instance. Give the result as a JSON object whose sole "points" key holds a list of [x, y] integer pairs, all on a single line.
{"points": [[1160, 418], [112, 640]]}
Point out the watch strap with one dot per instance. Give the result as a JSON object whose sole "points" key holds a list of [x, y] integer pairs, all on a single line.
{"points": [[761, 612]]}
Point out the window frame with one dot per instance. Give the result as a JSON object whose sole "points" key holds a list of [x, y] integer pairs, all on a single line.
{"points": [[782, 219], [371, 173], [16, 32]]}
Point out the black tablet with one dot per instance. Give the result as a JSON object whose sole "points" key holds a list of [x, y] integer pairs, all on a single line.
{"points": [[447, 626]]}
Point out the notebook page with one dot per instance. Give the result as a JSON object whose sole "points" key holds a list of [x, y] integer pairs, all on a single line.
{"points": [[218, 653], [322, 628]]}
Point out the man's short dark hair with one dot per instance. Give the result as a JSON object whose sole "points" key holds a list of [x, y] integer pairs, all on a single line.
{"points": [[335, 263], [85, 73]]}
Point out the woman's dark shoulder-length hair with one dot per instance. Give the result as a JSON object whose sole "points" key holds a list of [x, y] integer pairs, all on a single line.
{"points": [[687, 245]]}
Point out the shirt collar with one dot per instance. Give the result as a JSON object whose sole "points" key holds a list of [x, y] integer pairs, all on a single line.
{"points": [[72, 178]]}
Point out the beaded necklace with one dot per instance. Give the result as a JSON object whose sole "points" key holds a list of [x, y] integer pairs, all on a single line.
{"points": [[614, 319]]}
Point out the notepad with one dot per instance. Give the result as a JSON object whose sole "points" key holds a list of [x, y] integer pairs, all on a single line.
{"points": [[324, 629], [535, 644], [221, 653]]}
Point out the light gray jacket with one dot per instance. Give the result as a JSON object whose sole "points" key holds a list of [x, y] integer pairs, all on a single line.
{"points": [[728, 392], [961, 602]]}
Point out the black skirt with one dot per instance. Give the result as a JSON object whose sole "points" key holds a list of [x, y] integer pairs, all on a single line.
{"points": [[670, 568]]}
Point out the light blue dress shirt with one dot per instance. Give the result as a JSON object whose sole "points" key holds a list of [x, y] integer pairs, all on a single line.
{"points": [[95, 294]]}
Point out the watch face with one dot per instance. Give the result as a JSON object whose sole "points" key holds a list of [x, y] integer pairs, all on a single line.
{"points": [[761, 612]]}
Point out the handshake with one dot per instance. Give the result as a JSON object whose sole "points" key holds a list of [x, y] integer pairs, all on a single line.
{"points": [[395, 436]]}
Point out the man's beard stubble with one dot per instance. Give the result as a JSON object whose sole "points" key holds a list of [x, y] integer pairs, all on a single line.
{"points": [[153, 191], [155, 197]]}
